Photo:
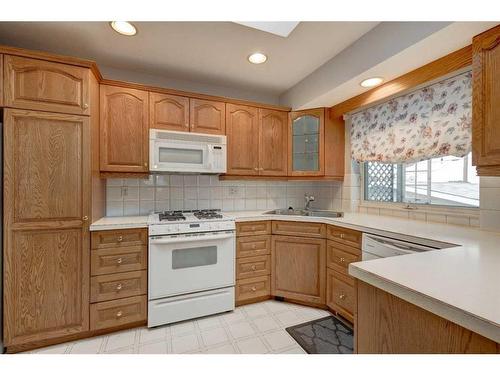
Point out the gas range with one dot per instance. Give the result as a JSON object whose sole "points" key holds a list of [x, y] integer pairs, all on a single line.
{"points": [[188, 221]]}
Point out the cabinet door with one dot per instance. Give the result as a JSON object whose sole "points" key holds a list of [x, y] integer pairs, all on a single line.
{"points": [[46, 86], [124, 130], [1, 80], [46, 234], [298, 268], [207, 116], [486, 99], [273, 141], [242, 140], [306, 143], [168, 112]]}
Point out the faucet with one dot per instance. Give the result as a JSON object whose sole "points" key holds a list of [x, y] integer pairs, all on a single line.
{"points": [[309, 199]]}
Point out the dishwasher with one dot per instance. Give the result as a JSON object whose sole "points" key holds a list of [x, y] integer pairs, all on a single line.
{"points": [[375, 247]]}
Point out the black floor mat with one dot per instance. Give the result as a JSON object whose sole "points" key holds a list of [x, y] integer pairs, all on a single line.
{"points": [[328, 335]]}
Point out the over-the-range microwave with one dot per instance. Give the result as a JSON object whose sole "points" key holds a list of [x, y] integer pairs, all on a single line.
{"points": [[184, 152]]}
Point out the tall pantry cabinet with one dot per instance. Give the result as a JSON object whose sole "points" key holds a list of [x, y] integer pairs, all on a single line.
{"points": [[47, 169]]}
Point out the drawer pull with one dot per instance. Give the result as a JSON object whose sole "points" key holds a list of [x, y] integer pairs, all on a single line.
{"points": [[254, 289], [253, 267], [119, 286], [342, 260], [120, 238], [119, 314], [342, 296], [119, 260], [85, 105], [342, 235]]}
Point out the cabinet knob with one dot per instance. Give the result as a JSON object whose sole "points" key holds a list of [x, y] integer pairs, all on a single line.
{"points": [[120, 238], [253, 267], [119, 314], [119, 261], [85, 218], [254, 289], [342, 260], [145, 164], [342, 296], [85, 105], [256, 168], [341, 235], [119, 287]]}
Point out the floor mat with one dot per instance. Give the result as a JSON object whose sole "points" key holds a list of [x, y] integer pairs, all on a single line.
{"points": [[328, 335]]}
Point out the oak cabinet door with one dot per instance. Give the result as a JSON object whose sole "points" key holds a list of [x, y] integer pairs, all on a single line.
{"points": [[207, 116], [168, 112], [46, 86], [124, 130], [298, 267], [273, 141], [46, 234], [242, 140], [1, 81], [306, 143], [486, 99]]}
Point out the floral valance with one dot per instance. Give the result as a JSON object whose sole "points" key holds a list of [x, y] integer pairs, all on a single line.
{"points": [[430, 122]]}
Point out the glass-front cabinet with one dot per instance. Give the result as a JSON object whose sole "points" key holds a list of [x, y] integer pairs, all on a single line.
{"points": [[307, 142]]}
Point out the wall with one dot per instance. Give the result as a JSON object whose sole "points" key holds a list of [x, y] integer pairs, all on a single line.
{"points": [[489, 203], [188, 192]]}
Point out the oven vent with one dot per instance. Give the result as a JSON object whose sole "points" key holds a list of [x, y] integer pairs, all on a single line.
{"points": [[187, 137]]}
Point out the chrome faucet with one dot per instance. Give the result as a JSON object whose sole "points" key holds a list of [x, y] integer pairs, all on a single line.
{"points": [[309, 199]]}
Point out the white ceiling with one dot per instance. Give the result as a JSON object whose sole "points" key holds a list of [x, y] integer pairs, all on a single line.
{"points": [[209, 52]]}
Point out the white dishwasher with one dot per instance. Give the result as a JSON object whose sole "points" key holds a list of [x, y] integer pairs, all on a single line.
{"points": [[375, 247]]}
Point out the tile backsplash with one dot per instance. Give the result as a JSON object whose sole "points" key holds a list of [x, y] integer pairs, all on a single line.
{"points": [[189, 192]]}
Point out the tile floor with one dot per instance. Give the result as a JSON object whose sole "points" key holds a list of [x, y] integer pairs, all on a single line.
{"points": [[253, 329]]}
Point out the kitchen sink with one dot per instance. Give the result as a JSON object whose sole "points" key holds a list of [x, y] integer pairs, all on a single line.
{"points": [[314, 213]]}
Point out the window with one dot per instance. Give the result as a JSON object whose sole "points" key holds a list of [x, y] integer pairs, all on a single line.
{"points": [[447, 180]]}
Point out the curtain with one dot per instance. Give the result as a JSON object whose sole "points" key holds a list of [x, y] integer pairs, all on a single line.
{"points": [[431, 122]]}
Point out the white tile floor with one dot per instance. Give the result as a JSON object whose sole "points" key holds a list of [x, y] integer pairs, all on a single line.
{"points": [[253, 329]]}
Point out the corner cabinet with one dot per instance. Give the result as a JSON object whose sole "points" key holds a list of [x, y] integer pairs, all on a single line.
{"points": [[486, 99], [46, 226], [306, 142], [273, 141], [124, 122]]}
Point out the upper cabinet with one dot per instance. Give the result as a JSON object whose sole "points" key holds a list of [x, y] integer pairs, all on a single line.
{"points": [[486, 99], [306, 143], [168, 112], [273, 140], [1, 80], [242, 140], [46, 86], [124, 130], [207, 116]]}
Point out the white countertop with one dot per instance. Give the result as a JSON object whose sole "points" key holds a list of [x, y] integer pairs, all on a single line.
{"points": [[461, 283]]}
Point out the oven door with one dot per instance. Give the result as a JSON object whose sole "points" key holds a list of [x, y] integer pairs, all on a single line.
{"points": [[171, 156], [190, 263]]}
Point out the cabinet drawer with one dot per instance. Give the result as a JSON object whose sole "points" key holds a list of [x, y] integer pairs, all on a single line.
{"points": [[106, 261], [253, 288], [120, 285], [298, 228], [340, 293], [119, 238], [345, 236], [253, 245], [253, 266], [253, 228], [46, 86], [117, 313], [339, 256]]}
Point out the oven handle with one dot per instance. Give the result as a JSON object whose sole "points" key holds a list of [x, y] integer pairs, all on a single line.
{"points": [[190, 238]]}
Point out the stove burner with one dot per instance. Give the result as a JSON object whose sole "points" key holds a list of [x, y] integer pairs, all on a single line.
{"points": [[207, 214], [171, 216]]}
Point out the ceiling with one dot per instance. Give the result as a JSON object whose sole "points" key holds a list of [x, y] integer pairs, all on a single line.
{"points": [[209, 52]]}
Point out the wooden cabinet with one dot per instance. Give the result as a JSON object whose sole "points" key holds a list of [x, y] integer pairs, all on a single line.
{"points": [[298, 268], [340, 294], [119, 259], [46, 218], [124, 143], [1, 80], [119, 238], [306, 142], [273, 141], [252, 289], [250, 246], [207, 116], [338, 257], [253, 228], [117, 313], [253, 266], [118, 285], [168, 112], [345, 236], [298, 228], [242, 140], [485, 103], [46, 86]]}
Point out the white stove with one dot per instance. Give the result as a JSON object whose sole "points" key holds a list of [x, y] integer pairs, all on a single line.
{"points": [[191, 265]]}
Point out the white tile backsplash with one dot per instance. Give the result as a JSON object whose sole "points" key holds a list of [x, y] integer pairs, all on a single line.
{"points": [[188, 192]]}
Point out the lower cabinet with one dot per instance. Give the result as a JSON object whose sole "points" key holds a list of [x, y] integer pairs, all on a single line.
{"points": [[299, 268], [340, 295]]}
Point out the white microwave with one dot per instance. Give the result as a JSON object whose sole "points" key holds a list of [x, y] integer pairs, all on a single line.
{"points": [[183, 152]]}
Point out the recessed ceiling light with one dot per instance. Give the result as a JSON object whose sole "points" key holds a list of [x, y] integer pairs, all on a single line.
{"points": [[124, 28], [371, 82], [257, 58]]}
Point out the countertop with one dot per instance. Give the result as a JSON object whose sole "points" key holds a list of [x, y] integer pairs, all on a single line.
{"points": [[460, 283]]}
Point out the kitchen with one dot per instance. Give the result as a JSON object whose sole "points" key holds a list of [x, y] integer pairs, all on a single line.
{"points": [[354, 213]]}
